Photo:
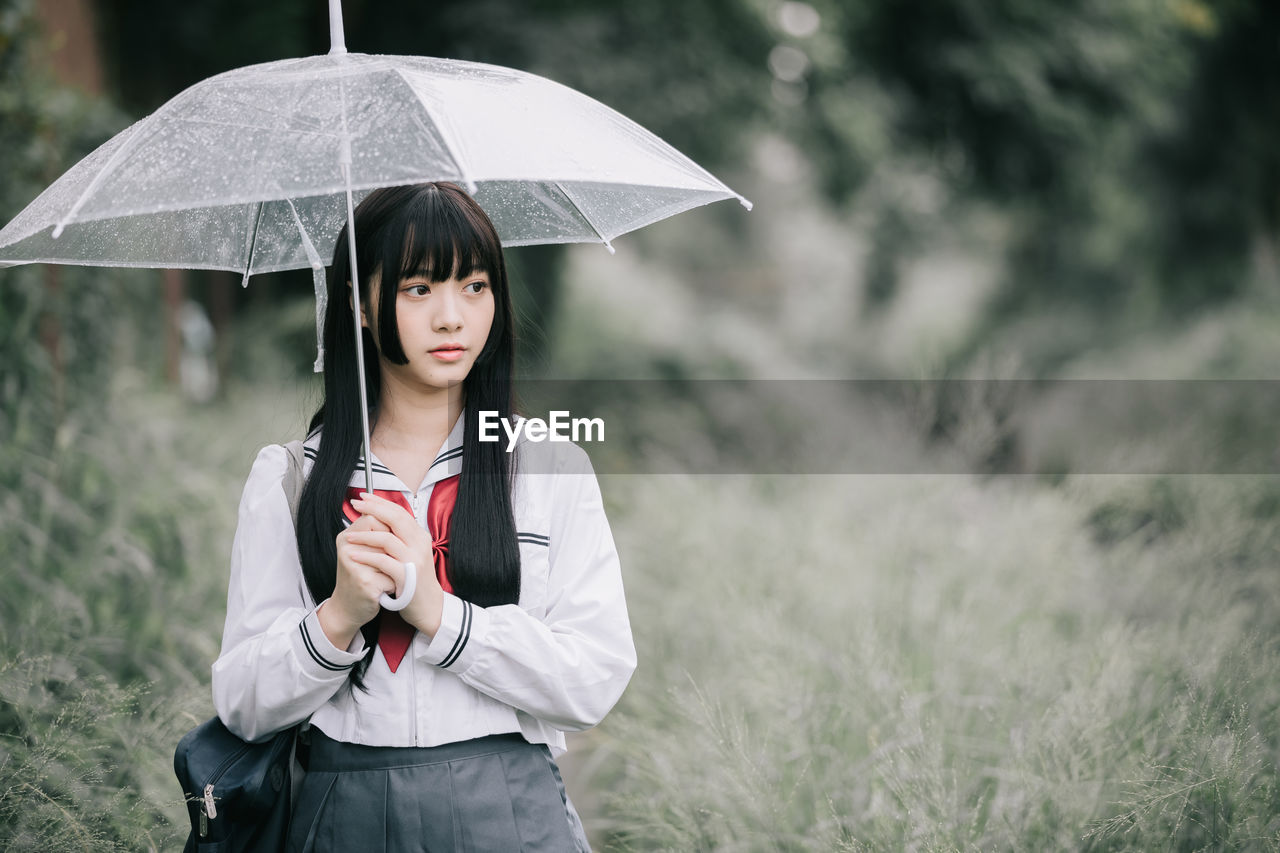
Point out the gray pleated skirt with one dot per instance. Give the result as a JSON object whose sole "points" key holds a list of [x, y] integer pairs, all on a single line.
{"points": [[498, 793]]}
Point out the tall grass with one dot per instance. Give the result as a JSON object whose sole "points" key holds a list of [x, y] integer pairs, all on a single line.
{"points": [[116, 513], [848, 663]]}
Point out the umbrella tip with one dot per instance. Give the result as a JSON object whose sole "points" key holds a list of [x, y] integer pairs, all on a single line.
{"points": [[57, 230], [748, 205], [609, 246]]}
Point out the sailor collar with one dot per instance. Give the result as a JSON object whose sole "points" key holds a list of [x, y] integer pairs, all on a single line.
{"points": [[448, 462]]}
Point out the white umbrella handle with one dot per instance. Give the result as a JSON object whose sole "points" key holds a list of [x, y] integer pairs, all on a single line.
{"points": [[405, 595]]}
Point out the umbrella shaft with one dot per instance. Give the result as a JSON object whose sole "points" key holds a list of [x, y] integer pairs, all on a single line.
{"points": [[355, 313], [364, 391]]}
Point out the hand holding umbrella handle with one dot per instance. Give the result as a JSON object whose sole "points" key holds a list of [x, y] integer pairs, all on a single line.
{"points": [[401, 601]]}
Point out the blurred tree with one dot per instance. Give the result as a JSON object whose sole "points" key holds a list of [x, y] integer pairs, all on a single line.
{"points": [[44, 128], [1134, 144], [1039, 107], [153, 50], [1220, 194]]}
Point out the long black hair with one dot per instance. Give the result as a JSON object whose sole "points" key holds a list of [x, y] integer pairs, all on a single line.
{"points": [[438, 229]]}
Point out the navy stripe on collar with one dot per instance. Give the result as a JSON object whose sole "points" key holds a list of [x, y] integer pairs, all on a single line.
{"points": [[456, 453], [379, 468]]}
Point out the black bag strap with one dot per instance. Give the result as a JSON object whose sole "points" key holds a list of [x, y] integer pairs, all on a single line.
{"points": [[293, 482], [293, 478]]}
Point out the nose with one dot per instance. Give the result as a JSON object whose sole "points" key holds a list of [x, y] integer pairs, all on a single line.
{"points": [[448, 311]]}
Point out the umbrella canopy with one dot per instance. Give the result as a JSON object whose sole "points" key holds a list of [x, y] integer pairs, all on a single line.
{"points": [[255, 170], [243, 171]]}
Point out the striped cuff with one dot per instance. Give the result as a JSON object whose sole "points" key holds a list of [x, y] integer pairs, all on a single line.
{"points": [[454, 645], [320, 658]]}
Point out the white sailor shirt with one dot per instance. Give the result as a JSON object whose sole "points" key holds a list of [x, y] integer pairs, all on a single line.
{"points": [[556, 661]]}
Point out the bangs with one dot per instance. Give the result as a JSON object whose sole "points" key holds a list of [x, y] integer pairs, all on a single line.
{"points": [[437, 239]]}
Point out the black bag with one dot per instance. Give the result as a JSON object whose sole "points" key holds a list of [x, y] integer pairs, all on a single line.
{"points": [[240, 794]]}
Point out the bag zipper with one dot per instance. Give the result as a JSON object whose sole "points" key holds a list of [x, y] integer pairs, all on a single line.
{"points": [[208, 810]]}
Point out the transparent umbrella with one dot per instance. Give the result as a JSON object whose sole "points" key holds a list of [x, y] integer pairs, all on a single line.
{"points": [[248, 171], [256, 170]]}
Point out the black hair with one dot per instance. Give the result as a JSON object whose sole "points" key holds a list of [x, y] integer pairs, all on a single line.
{"points": [[438, 230]]}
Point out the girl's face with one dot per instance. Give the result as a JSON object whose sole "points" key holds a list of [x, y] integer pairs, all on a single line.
{"points": [[443, 328]]}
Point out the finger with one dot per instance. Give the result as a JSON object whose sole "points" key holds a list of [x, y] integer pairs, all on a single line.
{"points": [[371, 579], [371, 582], [388, 565], [388, 543], [380, 508], [376, 586], [368, 522], [393, 515], [353, 552]]}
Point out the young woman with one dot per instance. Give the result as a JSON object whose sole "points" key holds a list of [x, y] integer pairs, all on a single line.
{"points": [[433, 728]]}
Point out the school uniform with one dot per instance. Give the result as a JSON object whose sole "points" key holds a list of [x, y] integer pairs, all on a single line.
{"points": [[477, 712]]}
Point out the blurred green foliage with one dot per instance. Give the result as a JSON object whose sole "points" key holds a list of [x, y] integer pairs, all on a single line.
{"points": [[1132, 145], [93, 550]]}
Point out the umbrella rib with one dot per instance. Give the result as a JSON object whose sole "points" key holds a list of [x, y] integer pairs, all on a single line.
{"points": [[449, 146], [253, 246], [129, 145], [239, 102], [587, 219], [313, 257]]}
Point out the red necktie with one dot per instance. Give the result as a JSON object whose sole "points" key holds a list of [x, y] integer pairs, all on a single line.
{"points": [[395, 634]]}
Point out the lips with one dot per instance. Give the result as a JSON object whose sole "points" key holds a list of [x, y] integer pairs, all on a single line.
{"points": [[448, 353]]}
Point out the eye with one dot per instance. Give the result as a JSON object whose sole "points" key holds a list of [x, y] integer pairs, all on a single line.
{"points": [[477, 286], [416, 290]]}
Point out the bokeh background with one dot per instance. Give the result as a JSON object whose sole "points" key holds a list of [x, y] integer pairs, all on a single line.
{"points": [[1004, 637]]}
